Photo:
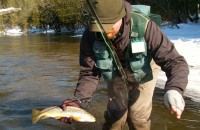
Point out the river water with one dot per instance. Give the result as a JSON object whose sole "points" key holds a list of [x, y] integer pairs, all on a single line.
{"points": [[38, 71]]}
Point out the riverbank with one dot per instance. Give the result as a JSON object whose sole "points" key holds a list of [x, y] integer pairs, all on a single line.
{"points": [[16, 31]]}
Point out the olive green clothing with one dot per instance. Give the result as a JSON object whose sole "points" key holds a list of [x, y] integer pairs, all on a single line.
{"points": [[107, 15]]}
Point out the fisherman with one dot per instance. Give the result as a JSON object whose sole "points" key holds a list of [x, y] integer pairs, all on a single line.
{"points": [[142, 49]]}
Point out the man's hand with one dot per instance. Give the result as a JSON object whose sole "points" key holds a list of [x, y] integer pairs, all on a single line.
{"points": [[175, 102], [177, 111], [64, 107]]}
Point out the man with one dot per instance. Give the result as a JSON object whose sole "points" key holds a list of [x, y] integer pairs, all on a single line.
{"points": [[140, 46]]}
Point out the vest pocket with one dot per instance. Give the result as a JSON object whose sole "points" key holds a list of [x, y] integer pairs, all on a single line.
{"points": [[103, 60], [104, 64], [100, 50], [136, 62], [106, 67], [140, 66]]}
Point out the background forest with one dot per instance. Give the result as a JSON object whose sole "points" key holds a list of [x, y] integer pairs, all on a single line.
{"points": [[73, 14]]}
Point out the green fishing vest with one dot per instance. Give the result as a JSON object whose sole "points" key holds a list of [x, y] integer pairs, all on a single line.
{"points": [[137, 61]]}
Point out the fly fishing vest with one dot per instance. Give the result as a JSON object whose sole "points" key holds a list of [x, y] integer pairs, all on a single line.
{"points": [[136, 57]]}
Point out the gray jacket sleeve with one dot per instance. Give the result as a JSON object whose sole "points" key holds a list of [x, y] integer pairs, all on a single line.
{"points": [[166, 56], [89, 74]]}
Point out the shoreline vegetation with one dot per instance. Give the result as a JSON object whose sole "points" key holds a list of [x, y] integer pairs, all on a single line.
{"points": [[64, 16]]}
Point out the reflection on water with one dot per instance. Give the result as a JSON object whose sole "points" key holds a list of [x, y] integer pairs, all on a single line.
{"points": [[41, 70]]}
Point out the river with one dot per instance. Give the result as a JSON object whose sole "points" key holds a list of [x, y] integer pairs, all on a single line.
{"points": [[38, 71]]}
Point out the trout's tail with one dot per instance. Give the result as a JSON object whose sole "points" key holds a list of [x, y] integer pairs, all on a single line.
{"points": [[35, 115]]}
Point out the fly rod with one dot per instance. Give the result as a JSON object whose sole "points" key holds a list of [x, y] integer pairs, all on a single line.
{"points": [[109, 45]]}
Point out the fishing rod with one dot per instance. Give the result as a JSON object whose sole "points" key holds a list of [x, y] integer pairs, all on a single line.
{"points": [[109, 45]]}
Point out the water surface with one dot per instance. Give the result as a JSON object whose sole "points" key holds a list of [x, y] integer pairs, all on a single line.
{"points": [[38, 71]]}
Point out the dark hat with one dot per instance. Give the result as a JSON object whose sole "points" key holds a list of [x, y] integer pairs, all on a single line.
{"points": [[108, 11]]}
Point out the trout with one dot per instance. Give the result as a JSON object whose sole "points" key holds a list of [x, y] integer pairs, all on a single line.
{"points": [[56, 112]]}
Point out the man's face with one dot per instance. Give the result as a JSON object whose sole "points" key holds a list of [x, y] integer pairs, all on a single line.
{"points": [[114, 30]]}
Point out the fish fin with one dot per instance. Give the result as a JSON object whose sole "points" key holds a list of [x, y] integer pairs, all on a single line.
{"points": [[35, 115], [57, 117], [76, 118]]}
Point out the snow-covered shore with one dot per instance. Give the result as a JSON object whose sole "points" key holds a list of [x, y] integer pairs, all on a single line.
{"points": [[187, 41]]}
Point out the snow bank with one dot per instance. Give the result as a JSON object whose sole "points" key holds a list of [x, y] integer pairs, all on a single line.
{"points": [[187, 42]]}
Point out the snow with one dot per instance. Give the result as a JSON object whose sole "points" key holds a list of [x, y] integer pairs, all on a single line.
{"points": [[9, 10], [16, 31], [187, 42]]}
